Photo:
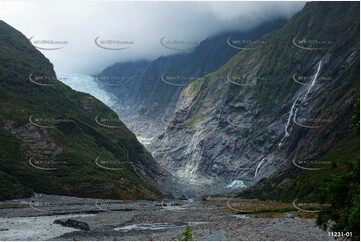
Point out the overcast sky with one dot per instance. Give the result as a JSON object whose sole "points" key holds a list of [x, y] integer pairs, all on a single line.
{"points": [[139, 26]]}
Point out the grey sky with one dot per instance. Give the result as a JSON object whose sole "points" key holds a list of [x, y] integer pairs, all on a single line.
{"points": [[141, 23]]}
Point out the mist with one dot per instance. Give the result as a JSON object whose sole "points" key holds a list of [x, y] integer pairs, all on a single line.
{"points": [[141, 25]]}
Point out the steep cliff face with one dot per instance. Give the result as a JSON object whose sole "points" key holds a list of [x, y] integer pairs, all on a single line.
{"points": [[154, 88], [287, 97], [58, 141]]}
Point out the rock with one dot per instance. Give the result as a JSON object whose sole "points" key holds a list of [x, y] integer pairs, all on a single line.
{"points": [[72, 223], [288, 215], [284, 183], [183, 197]]}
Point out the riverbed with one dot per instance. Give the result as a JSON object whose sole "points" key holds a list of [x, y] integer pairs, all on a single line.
{"points": [[51, 217]]}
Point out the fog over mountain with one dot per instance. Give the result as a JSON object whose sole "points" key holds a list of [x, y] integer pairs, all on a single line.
{"points": [[179, 121], [141, 23]]}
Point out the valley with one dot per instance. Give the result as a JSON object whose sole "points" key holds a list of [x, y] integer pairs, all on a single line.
{"points": [[249, 116], [251, 134]]}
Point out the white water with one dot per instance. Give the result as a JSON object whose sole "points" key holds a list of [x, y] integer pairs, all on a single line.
{"points": [[34, 228], [313, 80], [154, 226], [308, 90], [294, 109], [289, 120], [258, 166]]}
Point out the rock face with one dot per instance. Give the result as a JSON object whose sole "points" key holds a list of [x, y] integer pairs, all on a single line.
{"points": [[288, 97], [37, 142], [55, 140]]}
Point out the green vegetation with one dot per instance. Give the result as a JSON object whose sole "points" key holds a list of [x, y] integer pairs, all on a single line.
{"points": [[73, 141], [337, 184], [196, 120], [342, 190], [186, 235], [274, 63]]}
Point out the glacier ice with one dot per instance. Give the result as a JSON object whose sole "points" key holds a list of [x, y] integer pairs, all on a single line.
{"points": [[87, 84]]}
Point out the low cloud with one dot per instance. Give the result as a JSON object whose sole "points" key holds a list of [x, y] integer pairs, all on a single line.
{"points": [[140, 24]]}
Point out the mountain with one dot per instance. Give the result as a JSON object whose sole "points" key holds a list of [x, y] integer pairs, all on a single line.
{"points": [[287, 98], [152, 89], [58, 141]]}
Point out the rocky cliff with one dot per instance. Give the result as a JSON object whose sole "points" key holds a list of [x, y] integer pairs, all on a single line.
{"points": [[287, 97]]}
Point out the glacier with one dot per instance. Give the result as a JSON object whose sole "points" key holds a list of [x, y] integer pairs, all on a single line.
{"points": [[88, 84]]}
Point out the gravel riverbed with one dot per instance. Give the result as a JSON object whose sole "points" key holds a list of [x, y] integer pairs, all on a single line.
{"points": [[49, 217]]}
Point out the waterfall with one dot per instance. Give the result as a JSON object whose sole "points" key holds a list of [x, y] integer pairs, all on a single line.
{"points": [[294, 108], [258, 166], [313, 80]]}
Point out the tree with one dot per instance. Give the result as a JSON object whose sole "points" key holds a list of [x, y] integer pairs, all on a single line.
{"points": [[186, 235], [342, 191]]}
